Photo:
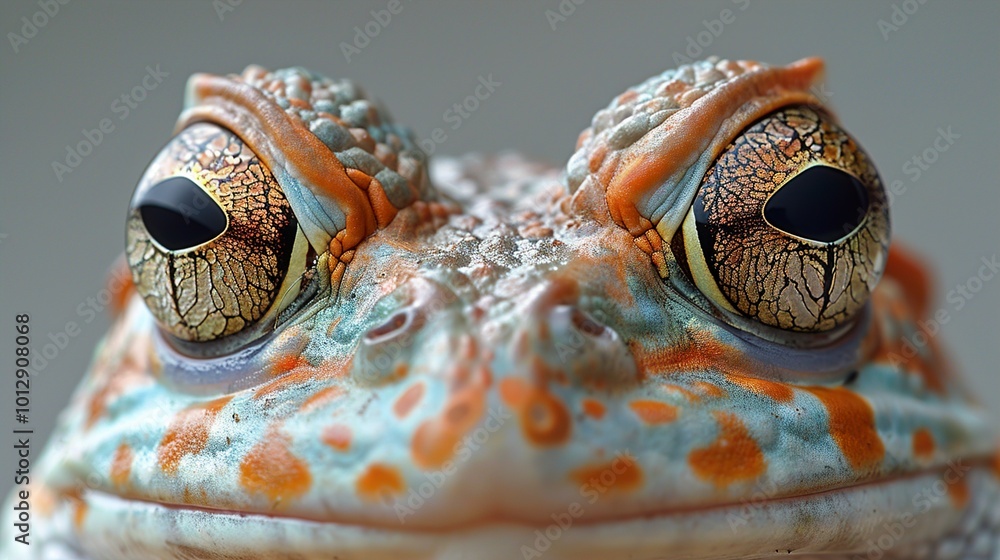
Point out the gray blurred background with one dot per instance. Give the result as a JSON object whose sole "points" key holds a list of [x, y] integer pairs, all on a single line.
{"points": [[894, 84]]}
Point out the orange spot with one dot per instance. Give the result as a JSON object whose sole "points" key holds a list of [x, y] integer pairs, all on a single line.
{"points": [[410, 397], [270, 469], [684, 392], [120, 286], [435, 440], [43, 500], [544, 419], [284, 364], [113, 380], [619, 475], [337, 436], [654, 412], [329, 369], [703, 352], [852, 425], [593, 408], [707, 389], [776, 391], [923, 444], [380, 481], [514, 392], [121, 465], [733, 457], [188, 433], [959, 493], [79, 513], [322, 397]]}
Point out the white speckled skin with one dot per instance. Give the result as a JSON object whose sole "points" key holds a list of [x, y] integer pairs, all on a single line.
{"points": [[508, 363]]}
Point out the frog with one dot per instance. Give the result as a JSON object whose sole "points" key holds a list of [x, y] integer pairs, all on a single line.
{"points": [[696, 340]]}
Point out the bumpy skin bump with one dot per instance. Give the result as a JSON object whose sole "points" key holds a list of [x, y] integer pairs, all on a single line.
{"points": [[512, 356]]}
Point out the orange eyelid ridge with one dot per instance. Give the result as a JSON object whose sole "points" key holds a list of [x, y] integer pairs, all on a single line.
{"points": [[707, 125], [257, 121]]}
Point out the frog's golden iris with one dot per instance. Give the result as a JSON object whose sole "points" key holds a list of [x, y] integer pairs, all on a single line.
{"points": [[790, 225], [212, 241]]}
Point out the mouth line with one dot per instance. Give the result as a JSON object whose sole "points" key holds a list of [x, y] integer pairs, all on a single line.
{"points": [[837, 521], [752, 501]]}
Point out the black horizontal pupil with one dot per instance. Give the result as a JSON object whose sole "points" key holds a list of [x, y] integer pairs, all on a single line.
{"points": [[179, 214], [821, 204]]}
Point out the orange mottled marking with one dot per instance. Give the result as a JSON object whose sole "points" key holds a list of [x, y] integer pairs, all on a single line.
{"points": [[733, 457], [622, 474], [270, 469], [852, 426], [593, 408], [120, 285], [514, 392], [704, 352], [322, 397], [996, 464], [923, 444], [779, 392], [409, 399], [337, 436], [304, 373], [959, 493], [380, 481], [43, 499], [708, 390], [436, 438], [544, 419], [115, 379], [284, 364], [121, 465], [188, 433], [688, 394], [79, 513], [654, 412]]}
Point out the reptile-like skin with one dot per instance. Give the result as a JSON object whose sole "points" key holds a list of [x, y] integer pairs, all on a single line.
{"points": [[497, 360]]}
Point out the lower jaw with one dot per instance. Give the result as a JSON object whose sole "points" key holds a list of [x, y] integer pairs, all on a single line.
{"points": [[893, 519]]}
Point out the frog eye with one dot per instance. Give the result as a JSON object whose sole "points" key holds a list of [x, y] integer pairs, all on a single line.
{"points": [[211, 240], [790, 225]]}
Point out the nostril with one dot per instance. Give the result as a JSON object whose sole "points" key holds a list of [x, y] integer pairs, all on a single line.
{"points": [[399, 322], [586, 324]]}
